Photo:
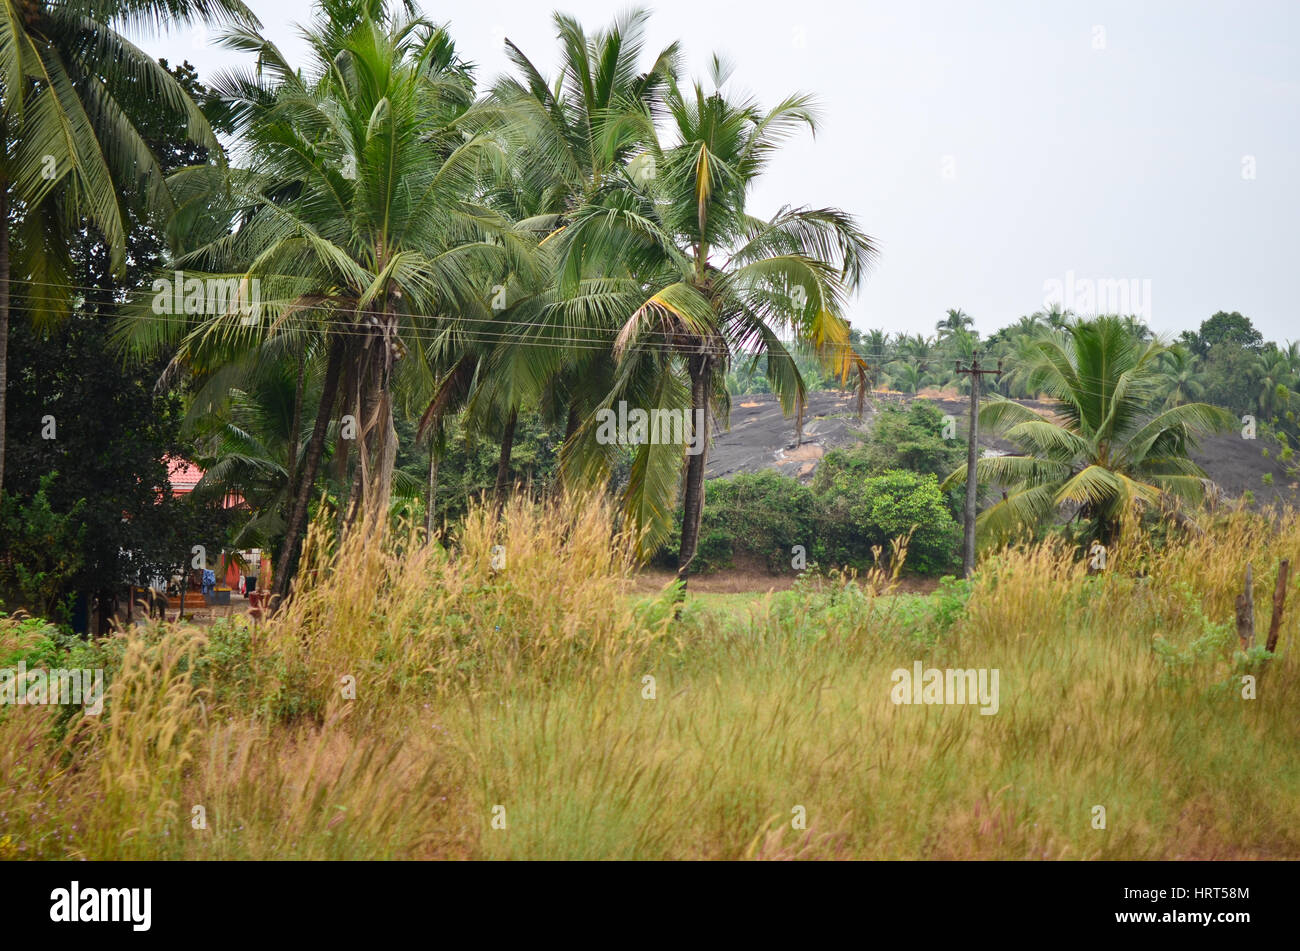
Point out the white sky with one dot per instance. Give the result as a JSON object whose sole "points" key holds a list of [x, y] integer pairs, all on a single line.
{"points": [[1124, 162]]}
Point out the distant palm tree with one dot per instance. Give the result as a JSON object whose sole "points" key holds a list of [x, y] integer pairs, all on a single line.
{"points": [[1137, 327], [1054, 316], [917, 349], [1275, 381], [1108, 451], [960, 345], [907, 377], [1292, 354], [956, 320], [876, 346], [1027, 324], [1179, 376]]}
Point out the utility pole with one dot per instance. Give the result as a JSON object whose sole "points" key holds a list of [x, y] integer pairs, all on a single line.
{"points": [[972, 451]]}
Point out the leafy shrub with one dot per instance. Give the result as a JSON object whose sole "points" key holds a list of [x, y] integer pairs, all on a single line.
{"points": [[764, 515], [41, 552], [871, 512], [760, 515]]}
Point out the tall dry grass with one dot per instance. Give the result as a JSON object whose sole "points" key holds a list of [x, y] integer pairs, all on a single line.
{"points": [[430, 702]]}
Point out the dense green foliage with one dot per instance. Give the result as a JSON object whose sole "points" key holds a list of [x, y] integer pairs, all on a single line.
{"points": [[849, 521], [88, 436], [466, 274]]}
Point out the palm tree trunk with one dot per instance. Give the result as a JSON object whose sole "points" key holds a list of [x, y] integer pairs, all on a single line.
{"points": [[365, 400], [693, 505], [379, 450], [343, 449], [574, 421], [503, 463], [433, 488], [315, 448], [4, 310], [386, 447], [296, 425]]}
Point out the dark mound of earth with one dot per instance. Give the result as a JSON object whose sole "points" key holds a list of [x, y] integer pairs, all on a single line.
{"points": [[761, 437]]}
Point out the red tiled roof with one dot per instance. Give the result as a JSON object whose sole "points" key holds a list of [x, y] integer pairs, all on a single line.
{"points": [[183, 476]]}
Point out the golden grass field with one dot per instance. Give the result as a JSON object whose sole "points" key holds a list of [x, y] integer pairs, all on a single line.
{"points": [[409, 691]]}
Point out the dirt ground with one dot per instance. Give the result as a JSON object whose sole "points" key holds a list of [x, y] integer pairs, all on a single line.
{"points": [[750, 581]]}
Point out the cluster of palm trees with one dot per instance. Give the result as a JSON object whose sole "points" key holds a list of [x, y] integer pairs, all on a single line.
{"points": [[914, 362], [412, 251], [1269, 380], [910, 363]]}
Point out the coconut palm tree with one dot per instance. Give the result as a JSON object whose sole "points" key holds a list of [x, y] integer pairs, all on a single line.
{"points": [[1276, 380], [919, 350], [568, 136], [581, 127], [876, 346], [1054, 316], [1179, 376], [957, 319], [72, 89], [1138, 327], [908, 377], [717, 281], [357, 217], [1107, 451]]}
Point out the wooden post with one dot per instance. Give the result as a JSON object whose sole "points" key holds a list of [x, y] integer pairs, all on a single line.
{"points": [[1246, 612], [1279, 603]]}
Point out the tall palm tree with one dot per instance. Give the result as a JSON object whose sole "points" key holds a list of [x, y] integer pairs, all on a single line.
{"points": [[582, 127], [568, 136], [357, 215], [1107, 451], [71, 92], [717, 281]]}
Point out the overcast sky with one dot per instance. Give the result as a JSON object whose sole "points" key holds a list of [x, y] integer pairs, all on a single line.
{"points": [[993, 148]]}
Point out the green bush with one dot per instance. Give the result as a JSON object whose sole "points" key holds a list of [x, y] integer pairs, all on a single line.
{"points": [[764, 516], [872, 512], [759, 515]]}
